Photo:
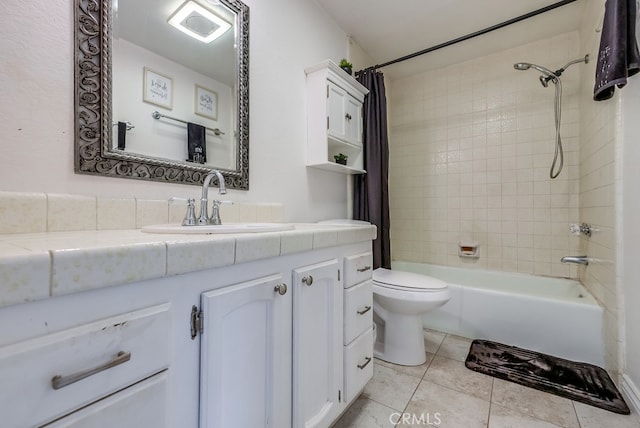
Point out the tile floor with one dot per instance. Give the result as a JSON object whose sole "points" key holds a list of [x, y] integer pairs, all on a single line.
{"points": [[444, 393]]}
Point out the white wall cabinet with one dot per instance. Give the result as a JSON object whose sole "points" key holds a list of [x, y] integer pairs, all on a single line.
{"points": [[245, 376], [317, 345], [334, 118]]}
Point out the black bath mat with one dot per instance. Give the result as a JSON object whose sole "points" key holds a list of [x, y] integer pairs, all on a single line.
{"points": [[581, 382]]}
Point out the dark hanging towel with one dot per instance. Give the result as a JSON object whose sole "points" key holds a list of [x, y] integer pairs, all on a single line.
{"points": [[196, 143], [122, 135], [618, 57]]}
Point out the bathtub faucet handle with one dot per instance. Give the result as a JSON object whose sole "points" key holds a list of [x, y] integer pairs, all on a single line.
{"points": [[579, 260], [577, 229]]}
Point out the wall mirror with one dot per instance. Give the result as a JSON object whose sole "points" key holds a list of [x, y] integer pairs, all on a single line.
{"points": [[162, 89]]}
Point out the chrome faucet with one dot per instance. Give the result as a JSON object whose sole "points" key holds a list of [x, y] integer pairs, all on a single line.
{"points": [[579, 260], [204, 200]]}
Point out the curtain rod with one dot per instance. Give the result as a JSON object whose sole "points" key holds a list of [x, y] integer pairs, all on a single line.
{"points": [[474, 34]]}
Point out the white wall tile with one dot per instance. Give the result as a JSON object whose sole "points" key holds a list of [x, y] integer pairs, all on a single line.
{"points": [[485, 154], [70, 212], [151, 212], [116, 214], [23, 212]]}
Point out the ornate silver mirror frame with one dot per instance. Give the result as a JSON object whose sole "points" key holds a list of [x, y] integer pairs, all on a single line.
{"points": [[93, 154]]}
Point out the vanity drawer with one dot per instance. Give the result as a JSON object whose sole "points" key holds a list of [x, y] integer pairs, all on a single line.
{"points": [[358, 364], [357, 268], [49, 376], [141, 405], [358, 310]]}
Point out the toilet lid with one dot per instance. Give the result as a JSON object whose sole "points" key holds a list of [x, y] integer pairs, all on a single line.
{"points": [[407, 280]]}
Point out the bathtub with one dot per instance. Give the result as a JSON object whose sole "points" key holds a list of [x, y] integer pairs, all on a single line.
{"points": [[550, 315]]}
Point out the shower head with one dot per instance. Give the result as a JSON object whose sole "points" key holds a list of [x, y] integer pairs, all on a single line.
{"points": [[547, 76], [527, 66]]}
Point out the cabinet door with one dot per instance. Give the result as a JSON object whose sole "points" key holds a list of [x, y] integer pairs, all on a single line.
{"points": [[353, 120], [336, 125], [246, 355], [317, 345]]}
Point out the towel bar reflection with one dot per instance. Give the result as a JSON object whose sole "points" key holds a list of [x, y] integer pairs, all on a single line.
{"points": [[130, 126], [157, 115]]}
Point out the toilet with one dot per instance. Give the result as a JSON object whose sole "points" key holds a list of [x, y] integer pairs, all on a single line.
{"points": [[400, 299]]}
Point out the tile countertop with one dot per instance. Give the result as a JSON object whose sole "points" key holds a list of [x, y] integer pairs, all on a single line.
{"points": [[36, 266]]}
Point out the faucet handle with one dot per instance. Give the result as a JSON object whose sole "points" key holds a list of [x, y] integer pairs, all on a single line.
{"points": [[215, 214], [190, 216], [217, 203]]}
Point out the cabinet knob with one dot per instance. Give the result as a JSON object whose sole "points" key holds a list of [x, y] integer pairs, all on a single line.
{"points": [[347, 116], [307, 280], [281, 289]]}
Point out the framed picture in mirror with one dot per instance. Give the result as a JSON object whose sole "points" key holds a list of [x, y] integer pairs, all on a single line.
{"points": [[206, 102], [158, 89]]}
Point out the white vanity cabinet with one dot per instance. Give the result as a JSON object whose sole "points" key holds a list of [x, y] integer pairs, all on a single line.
{"points": [[334, 118], [317, 345], [245, 369], [266, 343]]}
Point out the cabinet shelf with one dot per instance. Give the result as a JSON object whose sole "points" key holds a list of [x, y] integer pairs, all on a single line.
{"points": [[336, 167]]}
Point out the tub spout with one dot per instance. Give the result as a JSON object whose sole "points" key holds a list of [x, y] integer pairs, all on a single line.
{"points": [[580, 260]]}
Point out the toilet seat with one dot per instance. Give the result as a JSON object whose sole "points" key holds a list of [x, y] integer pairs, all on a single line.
{"points": [[407, 281]]}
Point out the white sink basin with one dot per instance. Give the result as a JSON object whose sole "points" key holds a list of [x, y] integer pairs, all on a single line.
{"points": [[220, 228]]}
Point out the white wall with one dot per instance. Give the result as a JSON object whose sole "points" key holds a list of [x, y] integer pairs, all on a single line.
{"points": [[630, 231], [470, 150], [36, 108]]}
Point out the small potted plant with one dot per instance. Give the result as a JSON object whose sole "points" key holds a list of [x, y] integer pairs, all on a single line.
{"points": [[346, 66], [341, 158]]}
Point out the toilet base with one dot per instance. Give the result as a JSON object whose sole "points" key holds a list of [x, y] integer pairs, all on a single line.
{"points": [[402, 340]]}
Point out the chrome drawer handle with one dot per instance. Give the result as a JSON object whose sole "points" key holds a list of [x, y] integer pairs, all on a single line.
{"points": [[367, 361], [307, 280], [58, 381], [365, 310], [281, 289], [364, 269]]}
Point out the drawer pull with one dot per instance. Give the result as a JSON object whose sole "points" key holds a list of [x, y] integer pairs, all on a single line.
{"points": [[365, 310], [58, 381], [307, 280], [364, 269], [366, 362]]}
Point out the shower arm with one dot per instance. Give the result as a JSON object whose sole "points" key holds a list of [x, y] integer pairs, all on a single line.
{"points": [[556, 74], [561, 70]]}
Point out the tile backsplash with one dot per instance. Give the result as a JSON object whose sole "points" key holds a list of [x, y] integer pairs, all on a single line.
{"points": [[22, 212]]}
